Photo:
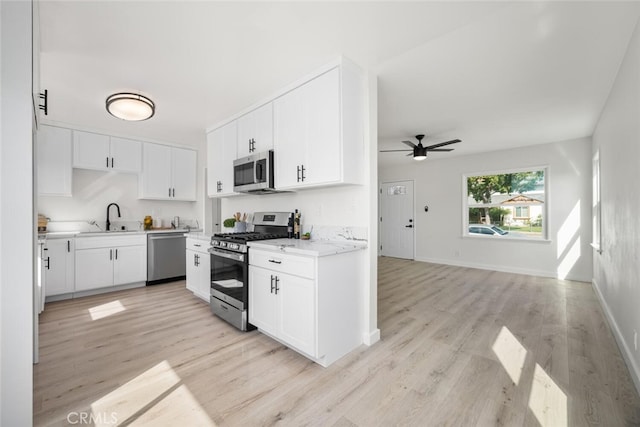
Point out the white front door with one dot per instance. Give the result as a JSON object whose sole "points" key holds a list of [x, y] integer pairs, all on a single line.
{"points": [[396, 219]]}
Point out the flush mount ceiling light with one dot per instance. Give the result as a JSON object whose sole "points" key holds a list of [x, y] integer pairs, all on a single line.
{"points": [[130, 106]]}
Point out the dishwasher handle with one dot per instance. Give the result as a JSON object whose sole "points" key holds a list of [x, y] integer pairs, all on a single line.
{"points": [[166, 236]]}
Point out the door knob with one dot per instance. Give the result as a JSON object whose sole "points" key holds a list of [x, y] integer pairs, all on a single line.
{"points": [[409, 226]]}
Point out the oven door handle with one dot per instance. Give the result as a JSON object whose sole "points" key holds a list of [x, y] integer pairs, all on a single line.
{"points": [[235, 257]]}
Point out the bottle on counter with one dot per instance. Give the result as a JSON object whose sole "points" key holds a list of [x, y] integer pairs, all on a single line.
{"points": [[148, 222], [296, 225], [290, 227]]}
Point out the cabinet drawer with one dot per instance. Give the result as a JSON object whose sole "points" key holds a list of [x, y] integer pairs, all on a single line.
{"points": [[110, 241], [286, 263], [198, 245]]}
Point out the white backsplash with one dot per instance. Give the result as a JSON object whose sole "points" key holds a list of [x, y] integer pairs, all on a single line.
{"points": [[336, 233]]}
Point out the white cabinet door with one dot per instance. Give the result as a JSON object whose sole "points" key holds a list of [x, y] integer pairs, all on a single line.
{"points": [[289, 138], [263, 310], [94, 268], [221, 152], [318, 132], [198, 268], [168, 173], [255, 131], [129, 264], [54, 157], [203, 287], [59, 266], [297, 313], [91, 151], [183, 166], [126, 155], [322, 154], [155, 180], [193, 272]]}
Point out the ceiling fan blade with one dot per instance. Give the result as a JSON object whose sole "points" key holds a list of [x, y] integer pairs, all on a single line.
{"points": [[439, 149], [409, 143], [389, 151], [453, 141]]}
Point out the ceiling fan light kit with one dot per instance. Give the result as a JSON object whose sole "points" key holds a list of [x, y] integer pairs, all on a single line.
{"points": [[419, 152], [130, 106]]}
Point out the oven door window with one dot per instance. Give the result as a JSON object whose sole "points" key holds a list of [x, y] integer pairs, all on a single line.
{"points": [[243, 174], [229, 277]]}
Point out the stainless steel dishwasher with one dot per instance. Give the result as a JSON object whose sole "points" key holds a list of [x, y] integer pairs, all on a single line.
{"points": [[166, 257]]}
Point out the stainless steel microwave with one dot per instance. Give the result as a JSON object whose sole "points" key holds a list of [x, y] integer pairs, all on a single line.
{"points": [[254, 173]]}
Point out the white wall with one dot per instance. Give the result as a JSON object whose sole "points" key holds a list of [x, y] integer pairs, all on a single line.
{"points": [[346, 206], [616, 270], [16, 216], [438, 184]]}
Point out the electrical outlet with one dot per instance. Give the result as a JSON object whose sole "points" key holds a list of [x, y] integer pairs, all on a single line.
{"points": [[635, 340]]}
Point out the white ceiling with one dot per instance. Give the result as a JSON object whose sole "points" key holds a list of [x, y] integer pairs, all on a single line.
{"points": [[493, 74]]}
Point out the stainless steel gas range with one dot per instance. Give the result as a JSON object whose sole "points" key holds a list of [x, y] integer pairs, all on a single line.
{"points": [[230, 267]]}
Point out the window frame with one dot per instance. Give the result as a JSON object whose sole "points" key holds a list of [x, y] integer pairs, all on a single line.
{"points": [[596, 202], [545, 222]]}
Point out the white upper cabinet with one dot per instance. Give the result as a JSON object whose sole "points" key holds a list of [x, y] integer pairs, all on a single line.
{"points": [[184, 171], [315, 127], [168, 173], [54, 156], [126, 155], [106, 153], [155, 180], [221, 152], [319, 131], [255, 131]]}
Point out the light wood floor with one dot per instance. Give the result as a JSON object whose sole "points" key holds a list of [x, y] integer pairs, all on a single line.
{"points": [[459, 347]]}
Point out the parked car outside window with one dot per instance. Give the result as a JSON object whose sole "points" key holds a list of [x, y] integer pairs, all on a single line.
{"points": [[488, 230]]}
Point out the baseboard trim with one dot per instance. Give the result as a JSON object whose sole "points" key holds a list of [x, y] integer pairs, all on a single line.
{"points": [[627, 354], [371, 337], [528, 272]]}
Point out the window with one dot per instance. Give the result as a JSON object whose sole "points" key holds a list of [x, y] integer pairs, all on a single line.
{"points": [[522, 211], [509, 204]]}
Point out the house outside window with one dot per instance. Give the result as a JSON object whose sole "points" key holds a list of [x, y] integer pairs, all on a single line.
{"points": [[512, 201]]}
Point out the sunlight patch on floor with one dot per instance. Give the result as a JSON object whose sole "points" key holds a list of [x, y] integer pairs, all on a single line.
{"points": [[510, 353], [106, 310], [547, 401], [154, 397], [178, 408]]}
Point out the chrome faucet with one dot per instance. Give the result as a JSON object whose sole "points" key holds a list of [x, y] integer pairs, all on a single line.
{"points": [[117, 207]]}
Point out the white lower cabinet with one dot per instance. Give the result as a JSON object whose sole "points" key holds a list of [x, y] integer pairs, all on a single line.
{"points": [[102, 262], [311, 304], [198, 268], [283, 306], [58, 264]]}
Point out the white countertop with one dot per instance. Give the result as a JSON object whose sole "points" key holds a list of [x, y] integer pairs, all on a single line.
{"points": [[308, 247], [67, 234], [199, 235]]}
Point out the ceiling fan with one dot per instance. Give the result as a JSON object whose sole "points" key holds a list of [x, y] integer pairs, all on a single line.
{"points": [[419, 152]]}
